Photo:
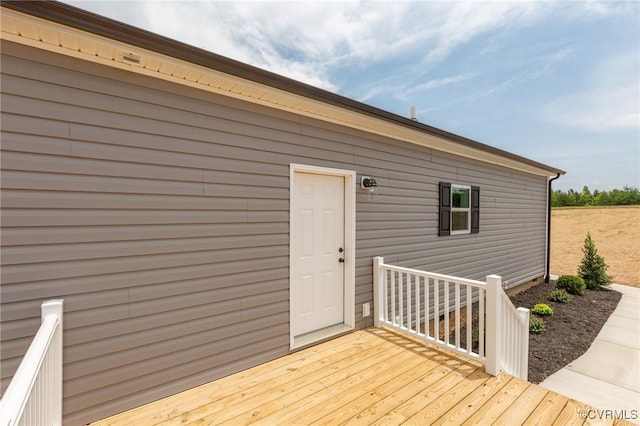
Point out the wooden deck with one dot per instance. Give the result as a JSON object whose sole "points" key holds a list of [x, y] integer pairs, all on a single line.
{"points": [[372, 376]]}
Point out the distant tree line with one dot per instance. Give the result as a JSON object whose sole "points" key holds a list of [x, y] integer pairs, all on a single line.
{"points": [[616, 197]]}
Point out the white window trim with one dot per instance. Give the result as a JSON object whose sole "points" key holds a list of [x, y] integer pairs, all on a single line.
{"points": [[459, 209]]}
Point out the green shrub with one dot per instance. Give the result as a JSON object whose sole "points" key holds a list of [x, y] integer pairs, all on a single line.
{"points": [[571, 283], [560, 295], [593, 269], [542, 309], [536, 325]]}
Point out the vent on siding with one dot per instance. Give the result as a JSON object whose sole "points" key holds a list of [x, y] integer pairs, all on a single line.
{"points": [[130, 58]]}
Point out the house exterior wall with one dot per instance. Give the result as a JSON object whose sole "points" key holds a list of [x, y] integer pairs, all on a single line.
{"points": [[160, 214]]}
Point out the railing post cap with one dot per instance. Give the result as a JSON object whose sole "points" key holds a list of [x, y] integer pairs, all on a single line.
{"points": [[52, 307]]}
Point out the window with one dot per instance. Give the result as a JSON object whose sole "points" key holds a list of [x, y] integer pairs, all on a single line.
{"points": [[459, 209]]}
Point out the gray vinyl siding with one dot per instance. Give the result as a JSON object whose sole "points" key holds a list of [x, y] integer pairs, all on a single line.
{"points": [[160, 214]]}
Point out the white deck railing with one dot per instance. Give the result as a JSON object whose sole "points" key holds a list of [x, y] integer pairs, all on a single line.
{"points": [[515, 340], [486, 326], [34, 395]]}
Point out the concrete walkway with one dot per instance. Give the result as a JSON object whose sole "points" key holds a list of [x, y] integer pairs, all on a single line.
{"points": [[607, 376]]}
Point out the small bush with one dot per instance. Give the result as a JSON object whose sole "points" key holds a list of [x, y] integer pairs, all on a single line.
{"points": [[593, 268], [536, 325], [560, 296], [542, 309], [572, 284]]}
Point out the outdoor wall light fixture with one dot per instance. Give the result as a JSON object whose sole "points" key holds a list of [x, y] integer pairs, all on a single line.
{"points": [[368, 183]]}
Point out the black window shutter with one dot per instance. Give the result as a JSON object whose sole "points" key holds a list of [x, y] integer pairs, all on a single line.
{"points": [[444, 223], [475, 209]]}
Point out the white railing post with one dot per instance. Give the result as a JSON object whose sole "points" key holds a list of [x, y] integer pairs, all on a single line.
{"points": [[494, 330], [524, 349], [55, 308], [378, 293]]}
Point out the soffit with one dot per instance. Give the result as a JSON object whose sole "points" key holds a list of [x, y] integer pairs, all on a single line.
{"points": [[29, 30]]}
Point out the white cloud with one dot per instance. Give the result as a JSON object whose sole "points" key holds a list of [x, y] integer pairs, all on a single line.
{"points": [[305, 40], [440, 82], [406, 92], [625, 121], [610, 101], [605, 8], [467, 20], [535, 68]]}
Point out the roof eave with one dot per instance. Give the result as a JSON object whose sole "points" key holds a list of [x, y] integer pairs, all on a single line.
{"points": [[79, 19]]}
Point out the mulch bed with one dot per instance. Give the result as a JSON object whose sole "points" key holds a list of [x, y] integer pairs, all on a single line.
{"points": [[569, 331]]}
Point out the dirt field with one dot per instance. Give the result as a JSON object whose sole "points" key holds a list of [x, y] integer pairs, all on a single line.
{"points": [[615, 230]]}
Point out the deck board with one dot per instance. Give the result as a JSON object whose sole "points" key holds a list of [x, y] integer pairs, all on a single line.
{"points": [[372, 376], [272, 401], [514, 415], [499, 402], [438, 407], [548, 410], [309, 405], [474, 401]]}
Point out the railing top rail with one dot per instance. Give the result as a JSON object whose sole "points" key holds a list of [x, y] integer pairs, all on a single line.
{"points": [[466, 281], [512, 308], [13, 399]]}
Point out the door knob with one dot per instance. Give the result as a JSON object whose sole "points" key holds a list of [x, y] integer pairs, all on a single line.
{"points": [[341, 260]]}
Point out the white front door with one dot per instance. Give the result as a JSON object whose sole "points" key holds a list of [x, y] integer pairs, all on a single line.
{"points": [[317, 281]]}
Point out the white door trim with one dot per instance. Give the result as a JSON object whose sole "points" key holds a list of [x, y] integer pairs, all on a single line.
{"points": [[349, 242]]}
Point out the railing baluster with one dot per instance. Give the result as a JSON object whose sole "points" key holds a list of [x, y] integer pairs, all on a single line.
{"points": [[506, 331], [436, 308], [469, 318], [481, 305], [385, 294], [409, 306], [427, 306], [418, 305], [524, 344], [401, 297], [457, 315], [446, 312], [393, 297], [513, 348]]}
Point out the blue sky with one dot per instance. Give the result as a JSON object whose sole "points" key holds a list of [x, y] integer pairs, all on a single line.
{"points": [[557, 82]]}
